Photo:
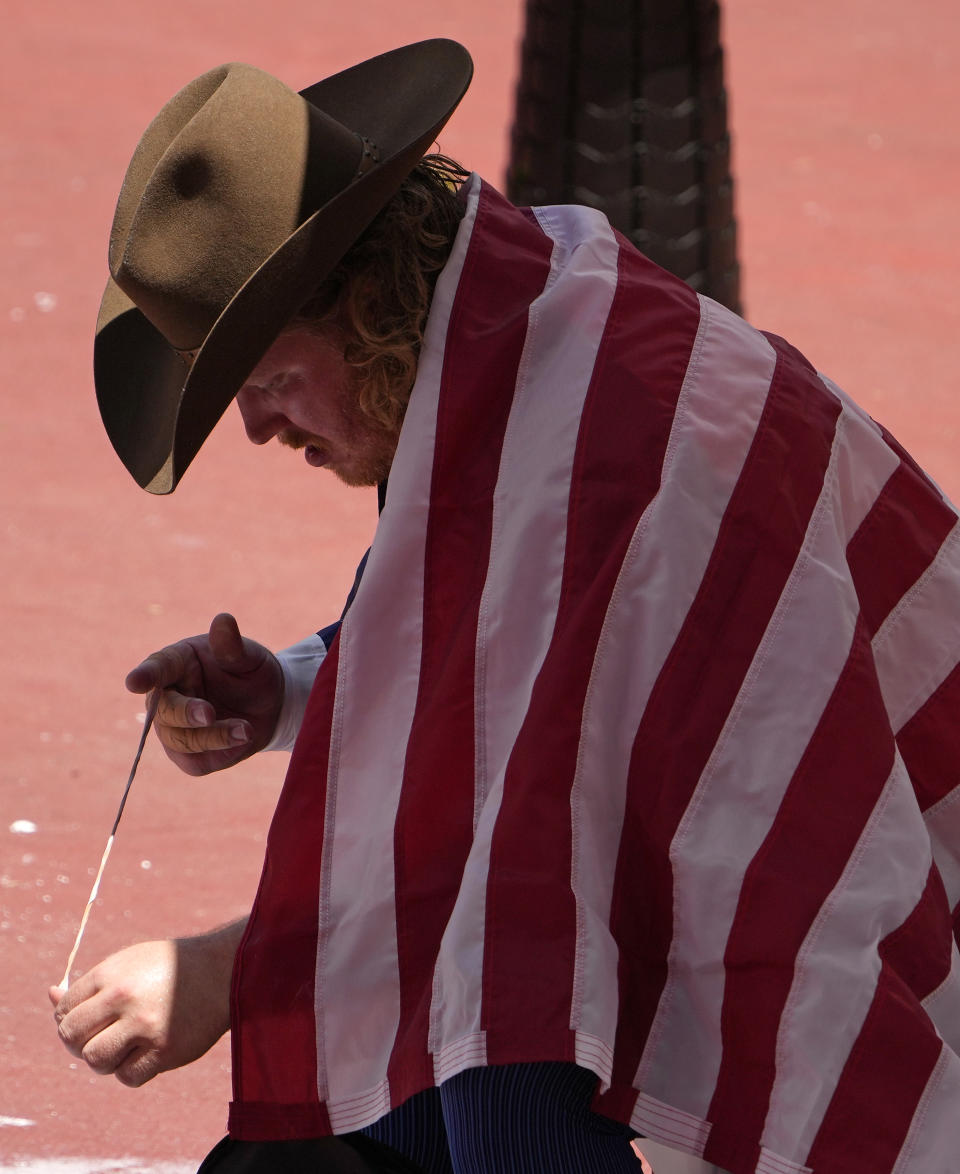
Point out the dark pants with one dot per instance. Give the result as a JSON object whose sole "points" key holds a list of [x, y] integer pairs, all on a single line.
{"points": [[352, 1154], [514, 1118], [508, 1119]]}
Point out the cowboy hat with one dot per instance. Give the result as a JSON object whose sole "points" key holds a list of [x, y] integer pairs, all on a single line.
{"points": [[239, 200]]}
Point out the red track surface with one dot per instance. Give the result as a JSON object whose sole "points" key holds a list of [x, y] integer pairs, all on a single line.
{"points": [[847, 163]]}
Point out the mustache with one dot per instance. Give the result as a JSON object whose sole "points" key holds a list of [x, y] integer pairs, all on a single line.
{"points": [[296, 438]]}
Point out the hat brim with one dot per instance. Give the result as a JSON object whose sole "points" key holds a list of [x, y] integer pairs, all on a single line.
{"points": [[158, 409]]}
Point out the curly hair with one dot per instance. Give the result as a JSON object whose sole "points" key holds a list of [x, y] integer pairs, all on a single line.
{"points": [[378, 296]]}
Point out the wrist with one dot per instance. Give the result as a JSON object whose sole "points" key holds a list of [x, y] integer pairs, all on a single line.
{"points": [[205, 962], [298, 666]]}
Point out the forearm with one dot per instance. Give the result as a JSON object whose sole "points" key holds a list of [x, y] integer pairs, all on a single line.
{"points": [[207, 960], [222, 942]]}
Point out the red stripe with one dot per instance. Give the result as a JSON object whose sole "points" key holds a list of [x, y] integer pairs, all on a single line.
{"points": [[891, 441], [624, 429], [822, 816], [434, 826], [930, 743], [882, 1083], [896, 542], [920, 950], [272, 1015], [759, 538], [896, 1052]]}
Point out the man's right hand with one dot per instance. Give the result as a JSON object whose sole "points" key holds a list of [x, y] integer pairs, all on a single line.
{"points": [[220, 697]]}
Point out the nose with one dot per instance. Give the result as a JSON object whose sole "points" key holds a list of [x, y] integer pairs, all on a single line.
{"points": [[261, 420]]}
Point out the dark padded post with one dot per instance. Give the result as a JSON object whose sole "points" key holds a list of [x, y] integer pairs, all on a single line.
{"points": [[621, 105]]}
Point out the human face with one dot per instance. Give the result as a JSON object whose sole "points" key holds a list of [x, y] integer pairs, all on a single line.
{"points": [[303, 392]]}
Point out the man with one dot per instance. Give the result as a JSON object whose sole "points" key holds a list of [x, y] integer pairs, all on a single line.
{"points": [[621, 800]]}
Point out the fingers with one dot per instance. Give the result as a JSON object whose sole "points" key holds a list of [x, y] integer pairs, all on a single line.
{"points": [[219, 696], [188, 735], [233, 652], [188, 725], [81, 1019], [111, 1044], [164, 668], [177, 709], [150, 1007], [116, 1017], [181, 663], [65, 1000], [140, 1065], [106, 1051], [226, 643]]}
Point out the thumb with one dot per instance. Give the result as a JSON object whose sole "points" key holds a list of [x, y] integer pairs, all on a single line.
{"points": [[228, 646], [55, 994]]}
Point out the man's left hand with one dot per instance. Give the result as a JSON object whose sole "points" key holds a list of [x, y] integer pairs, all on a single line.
{"points": [[151, 1007]]}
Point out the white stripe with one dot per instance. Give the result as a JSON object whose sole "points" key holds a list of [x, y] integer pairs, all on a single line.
{"points": [[915, 650], [354, 1112], [522, 589], [377, 683], [919, 642], [838, 965], [943, 1004], [933, 1141], [943, 824], [794, 671], [864, 465], [667, 1123], [856, 409], [773, 1163], [522, 586], [595, 1054], [467, 1052], [666, 560]]}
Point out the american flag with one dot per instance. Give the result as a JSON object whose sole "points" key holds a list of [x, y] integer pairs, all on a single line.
{"points": [[638, 746]]}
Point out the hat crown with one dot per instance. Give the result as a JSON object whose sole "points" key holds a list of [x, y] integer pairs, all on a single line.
{"points": [[225, 173]]}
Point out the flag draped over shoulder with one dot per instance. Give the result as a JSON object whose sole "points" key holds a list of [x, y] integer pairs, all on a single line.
{"points": [[638, 746]]}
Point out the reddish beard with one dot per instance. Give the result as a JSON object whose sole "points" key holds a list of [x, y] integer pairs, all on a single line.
{"points": [[372, 448]]}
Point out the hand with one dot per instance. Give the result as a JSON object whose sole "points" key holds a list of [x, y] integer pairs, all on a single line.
{"points": [[150, 1007], [220, 700]]}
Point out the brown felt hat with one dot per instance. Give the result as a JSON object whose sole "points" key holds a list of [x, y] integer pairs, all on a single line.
{"points": [[240, 199]]}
